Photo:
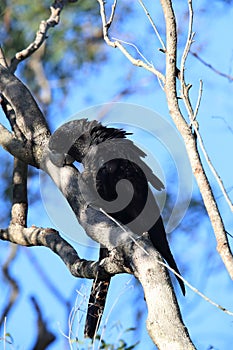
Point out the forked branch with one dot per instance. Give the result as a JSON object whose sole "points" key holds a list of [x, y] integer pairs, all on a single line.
{"points": [[189, 138], [117, 43]]}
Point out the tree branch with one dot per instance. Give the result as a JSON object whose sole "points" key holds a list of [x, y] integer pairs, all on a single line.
{"points": [[153, 25], [14, 292], [44, 336], [15, 146], [29, 118], [41, 34], [117, 44], [164, 322], [189, 139], [215, 70], [50, 238]]}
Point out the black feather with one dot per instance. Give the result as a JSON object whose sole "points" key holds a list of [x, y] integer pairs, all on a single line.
{"points": [[109, 157], [124, 161]]}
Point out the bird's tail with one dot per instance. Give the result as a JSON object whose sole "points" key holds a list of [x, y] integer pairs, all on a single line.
{"points": [[171, 262], [159, 239], [96, 302]]}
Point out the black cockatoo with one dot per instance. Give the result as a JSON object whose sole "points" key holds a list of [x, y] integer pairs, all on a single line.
{"points": [[108, 157]]}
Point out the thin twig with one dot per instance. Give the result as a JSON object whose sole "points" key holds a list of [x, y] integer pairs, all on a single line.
{"points": [[193, 114], [212, 168], [185, 88], [124, 230], [116, 44], [111, 18], [215, 70], [195, 290], [136, 48], [172, 270], [153, 25], [198, 101]]}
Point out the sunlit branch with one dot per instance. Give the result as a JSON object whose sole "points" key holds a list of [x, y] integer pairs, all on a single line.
{"points": [[153, 25], [212, 168], [189, 138], [185, 88], [198, 101], [111, 18], [50, 238], [14, 146], [136, 48], [193, 114], [41, 34], [117, 44]]}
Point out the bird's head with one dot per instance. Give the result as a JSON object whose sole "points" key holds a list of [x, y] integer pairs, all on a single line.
{"points": [[73, 140]]}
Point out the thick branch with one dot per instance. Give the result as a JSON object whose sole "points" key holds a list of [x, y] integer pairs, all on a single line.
{"points": [[164, 322], [15, 146], [50, 238], [19, 208], [29, 118]]}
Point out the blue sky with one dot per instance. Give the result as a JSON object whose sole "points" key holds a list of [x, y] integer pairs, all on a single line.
{"points": [[195, 249]]}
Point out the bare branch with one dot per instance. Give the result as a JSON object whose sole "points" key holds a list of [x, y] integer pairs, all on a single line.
{"points": [[189, 42], [153, 25], [117, 44], [193, 114], [161, 301], [198, 101], [50, 238], [44, 336], [186, 88], [189, 139], [215, 70], [111, 18], [19, 208], [13, 295]]}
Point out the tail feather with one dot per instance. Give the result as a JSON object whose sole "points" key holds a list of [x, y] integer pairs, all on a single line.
{"points": [[159, 239], [171, 262], [96, 302]]}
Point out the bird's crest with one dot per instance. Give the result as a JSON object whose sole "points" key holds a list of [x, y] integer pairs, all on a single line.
{"points": [[100, 133]]}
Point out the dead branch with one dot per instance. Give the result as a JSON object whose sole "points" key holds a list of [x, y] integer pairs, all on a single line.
{"points": [[190, 141], [117, 44]]}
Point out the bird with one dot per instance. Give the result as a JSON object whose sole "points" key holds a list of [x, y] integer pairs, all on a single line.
{"points": [[118, 181]]}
